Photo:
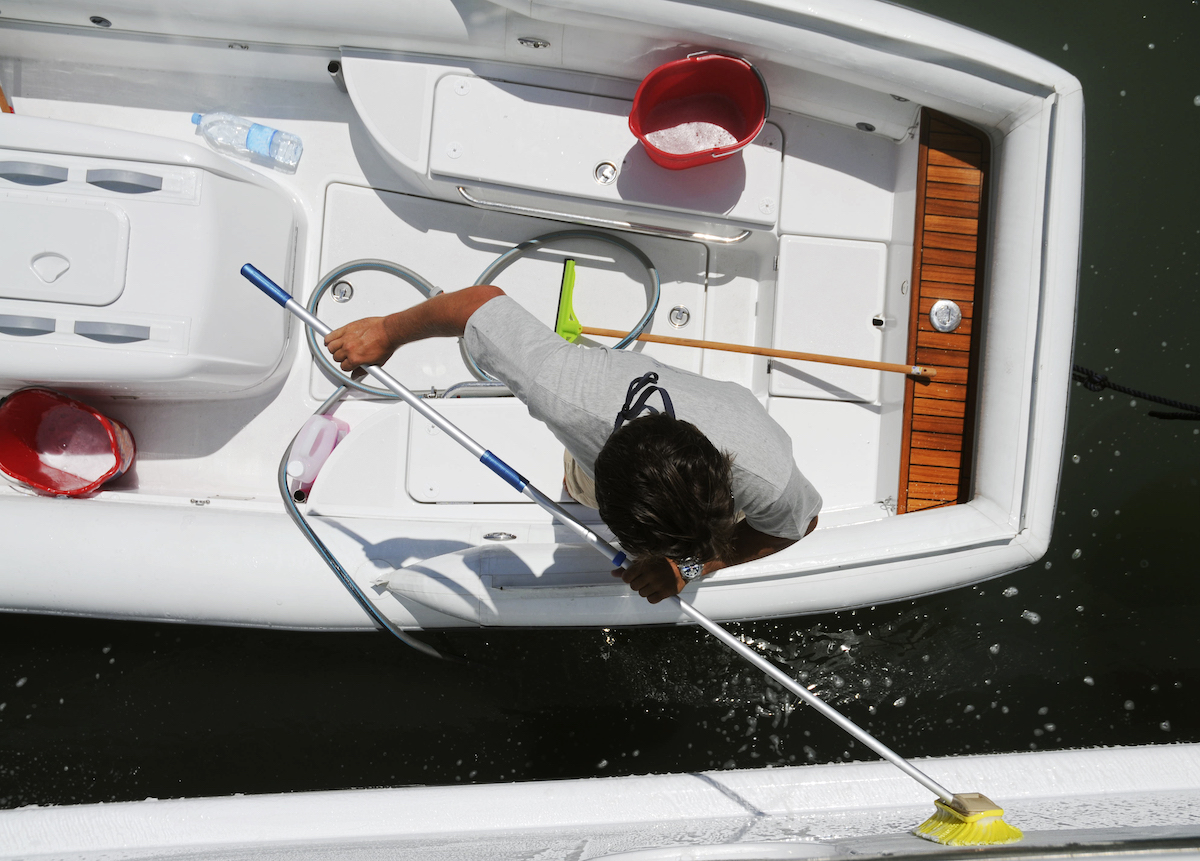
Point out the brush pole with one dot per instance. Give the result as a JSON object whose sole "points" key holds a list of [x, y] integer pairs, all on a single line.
{"points": [[613, 554], [495, 464], [911, 370], [757, 660]]}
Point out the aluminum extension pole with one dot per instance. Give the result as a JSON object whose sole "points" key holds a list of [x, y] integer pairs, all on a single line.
{"points": [[495, 464], [615, 556]]}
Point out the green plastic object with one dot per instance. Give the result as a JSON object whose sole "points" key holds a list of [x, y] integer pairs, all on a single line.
{"points": [[566, 324]]}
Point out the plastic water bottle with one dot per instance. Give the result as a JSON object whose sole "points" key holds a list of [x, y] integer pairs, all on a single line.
{"points": [[312, 447], [240, 137]]}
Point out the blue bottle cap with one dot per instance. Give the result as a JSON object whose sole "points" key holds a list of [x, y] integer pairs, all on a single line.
{"points": [[196, 119]]}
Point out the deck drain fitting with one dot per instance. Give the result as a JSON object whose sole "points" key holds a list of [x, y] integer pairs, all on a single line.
{"points": [[343, 291], [605, 173], [679, 316], [945, 315], [500, 536], [532, 42], [100, 21], [864, 127]]}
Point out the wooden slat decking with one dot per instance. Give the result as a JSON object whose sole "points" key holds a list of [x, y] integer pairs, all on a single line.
{"points": [[947, 264]]}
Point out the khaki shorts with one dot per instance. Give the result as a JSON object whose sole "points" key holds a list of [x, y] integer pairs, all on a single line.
{"points": [[579, 486]]}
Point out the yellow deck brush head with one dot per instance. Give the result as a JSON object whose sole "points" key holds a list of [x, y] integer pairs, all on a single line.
{"points": [[972, 820]]}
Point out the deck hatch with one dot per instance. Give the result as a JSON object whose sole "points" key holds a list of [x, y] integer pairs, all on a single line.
{"points": [[63, 250]]}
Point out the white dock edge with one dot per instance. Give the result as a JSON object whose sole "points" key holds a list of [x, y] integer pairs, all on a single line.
{"points": [[1057, 798]]}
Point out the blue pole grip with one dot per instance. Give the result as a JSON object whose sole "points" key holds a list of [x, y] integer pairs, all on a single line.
{"points": [[503, 470], [265, 284]]}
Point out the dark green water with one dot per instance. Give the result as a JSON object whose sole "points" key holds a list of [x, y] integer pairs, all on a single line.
{"points": [[1096, 645]]}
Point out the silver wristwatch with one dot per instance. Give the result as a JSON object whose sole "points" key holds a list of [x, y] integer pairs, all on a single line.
{"points": [[690, 568]]}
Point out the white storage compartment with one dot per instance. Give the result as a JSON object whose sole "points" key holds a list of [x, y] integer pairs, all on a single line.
{"points": [[122, 275], [574, 153], [830, 296]]}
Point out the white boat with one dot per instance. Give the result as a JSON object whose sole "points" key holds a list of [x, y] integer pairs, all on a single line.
{"points": [[1116, 802], [904, 160]]}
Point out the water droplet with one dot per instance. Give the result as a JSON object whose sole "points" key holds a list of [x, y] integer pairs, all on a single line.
{"points": [[1122, 93], [1044, 710], [1010, 592], [1095, 513], [1075, 458], [1088, 680], [1031, 617], [994, 648], [1129, 706], [900, 701], [1049, 565], [1079, 608], [1077, 553], [1050, 727], [1151, 46], [1165, 726], [1196, 101], [21, 681]]}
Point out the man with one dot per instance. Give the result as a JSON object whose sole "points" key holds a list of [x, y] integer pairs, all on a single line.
{"points": [[705, 480]]}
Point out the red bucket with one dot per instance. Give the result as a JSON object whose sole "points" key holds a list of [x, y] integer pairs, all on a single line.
{"points": [[59, 446], [698, 110]]}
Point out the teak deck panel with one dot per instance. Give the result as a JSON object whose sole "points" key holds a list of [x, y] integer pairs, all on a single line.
{"points": [[939, 414]]}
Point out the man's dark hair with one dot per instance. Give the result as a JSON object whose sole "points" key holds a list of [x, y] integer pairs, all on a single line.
{"points": [[665, 490]]}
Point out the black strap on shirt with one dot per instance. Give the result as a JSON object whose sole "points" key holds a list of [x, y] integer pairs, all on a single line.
{"points": [[644, 384]]}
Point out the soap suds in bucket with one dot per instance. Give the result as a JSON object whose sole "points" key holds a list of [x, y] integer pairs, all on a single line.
{"points": [[691, 137]]}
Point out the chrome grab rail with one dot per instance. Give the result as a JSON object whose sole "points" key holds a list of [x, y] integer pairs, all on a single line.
{"points": [[669, 232]]}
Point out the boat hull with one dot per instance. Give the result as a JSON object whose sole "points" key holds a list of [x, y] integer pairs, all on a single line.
{"points": [[811, 225]]}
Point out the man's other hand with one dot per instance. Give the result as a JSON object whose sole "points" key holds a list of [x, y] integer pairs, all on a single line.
{"points": [[654, 578]]}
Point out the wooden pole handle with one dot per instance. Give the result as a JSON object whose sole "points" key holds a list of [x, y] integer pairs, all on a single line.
{"points": [[912, 370]]}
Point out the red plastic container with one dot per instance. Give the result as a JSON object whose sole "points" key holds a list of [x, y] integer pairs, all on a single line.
{"points": [[59, 446], [698, 110]]}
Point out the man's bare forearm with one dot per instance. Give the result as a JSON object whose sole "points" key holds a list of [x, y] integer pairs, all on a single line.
{"points": [[443, 316], [749, 544], [372, 340]]}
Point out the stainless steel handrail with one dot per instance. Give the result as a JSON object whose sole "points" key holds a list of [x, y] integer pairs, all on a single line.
{"points": [[595, 221]]}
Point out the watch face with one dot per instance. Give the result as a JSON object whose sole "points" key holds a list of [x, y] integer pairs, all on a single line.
{"points": [[690, 568]]}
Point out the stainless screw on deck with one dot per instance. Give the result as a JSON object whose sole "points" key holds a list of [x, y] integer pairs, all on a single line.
{"points": [[532, 42], [679, 316], [343, 291], [499, 536]]}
